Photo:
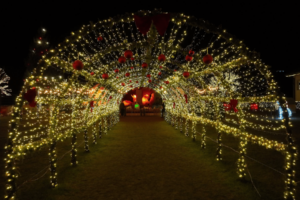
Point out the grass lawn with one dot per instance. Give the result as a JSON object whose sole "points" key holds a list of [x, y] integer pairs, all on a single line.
{"points": [[146, 158]]}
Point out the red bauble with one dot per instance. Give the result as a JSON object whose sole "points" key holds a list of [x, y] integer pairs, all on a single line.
{"points": [[117, 77], [144, 65], [128, 54], [167, 82], [91, 103], [191, 52], [131, 67], [99, 38], [131, 86], [186, 74], [161, 58], [148, 75], [207, 59], [116, 70], [92, 73], [110, 97], [105, 76], [32, 104], [160, 67], [149, 81], [127, 74], [160, 87], [132, 58], [123, 84], [77, 65], [137, 81], [159, 73], [122, 59], [30, 95], [129, 81], [188, 58]]}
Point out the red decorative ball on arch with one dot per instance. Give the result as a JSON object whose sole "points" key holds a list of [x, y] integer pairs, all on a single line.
{"points": [[137, 81], [105, 76], [116, 70], [161, 58], [148, 75], [167, 82], [131, 67], [132, 58], [160, 87], [188, 58], [186, 74], [207, 59], [122, 59], [191, 52], [77, 65], [123, 84], [159, 73], [127, 74], [144, 65], [92, 73], [149, 81], [99, 38], [161, 67], [128, 54]]}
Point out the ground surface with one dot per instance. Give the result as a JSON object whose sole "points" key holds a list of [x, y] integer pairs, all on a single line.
{"points": [[146, 158]]}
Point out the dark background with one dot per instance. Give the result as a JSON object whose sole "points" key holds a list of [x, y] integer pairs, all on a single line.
{"points": [[268, 28]]}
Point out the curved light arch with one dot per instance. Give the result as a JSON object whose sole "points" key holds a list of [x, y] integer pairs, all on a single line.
{"points": [[119, 34]]}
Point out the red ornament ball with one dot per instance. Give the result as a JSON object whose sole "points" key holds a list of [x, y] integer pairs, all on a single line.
{"points": [[92, 73], [127, 74], [149, 81], [129, 81], [131, 86], [77, 65], [131, 67], [117, 77], [132, 58], [99, 38], [207, 59], [167, 82], [32, 104], [116, 70], [161, 67], [159, 73], [161, 58], [191, 52], [128, 54], [160, 87], [144, 65], [105, 76], [188, 58], [148, 75], [123, 84], [122, 59], [137, 81], [186, 74]]}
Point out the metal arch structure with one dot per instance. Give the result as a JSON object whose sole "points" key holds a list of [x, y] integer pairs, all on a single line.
{"points": [[63, 98]]}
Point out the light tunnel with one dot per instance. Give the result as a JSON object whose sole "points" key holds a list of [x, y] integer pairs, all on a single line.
{"points": [[201, 71]]}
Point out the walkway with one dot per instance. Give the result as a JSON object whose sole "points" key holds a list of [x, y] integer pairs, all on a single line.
{"points": [[146, 158]]}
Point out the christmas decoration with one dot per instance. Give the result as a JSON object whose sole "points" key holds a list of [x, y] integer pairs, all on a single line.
{"points": [[128, 54], [116, 70], [122, 59], [105, 76], [77, 65], [207, 59], [148, 75], [92, 73], [188, 58], [186, 74], [3, 81], [99, 38], [127, 74], [238, 78], [144, 65], [161, 58]]}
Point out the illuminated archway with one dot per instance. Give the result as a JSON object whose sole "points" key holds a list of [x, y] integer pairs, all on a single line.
{"points": [[190, 62]]}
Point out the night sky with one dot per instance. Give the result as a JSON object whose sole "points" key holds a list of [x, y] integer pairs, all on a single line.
{"points": [[268, 28]]}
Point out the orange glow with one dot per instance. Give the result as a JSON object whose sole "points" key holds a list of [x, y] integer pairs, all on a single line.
{"points": [[127, 103], [134, 98]]}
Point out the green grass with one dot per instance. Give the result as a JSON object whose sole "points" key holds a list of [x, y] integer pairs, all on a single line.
{"points": [[145, 158]]}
